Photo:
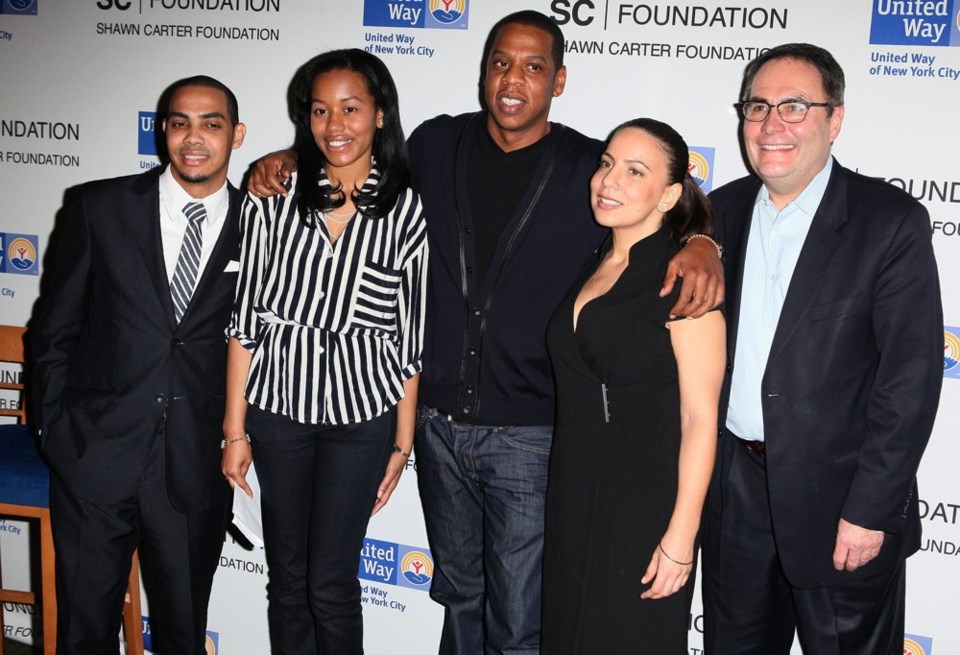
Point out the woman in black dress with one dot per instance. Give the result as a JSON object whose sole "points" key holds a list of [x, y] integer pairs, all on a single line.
{"points": [[636, 425]]}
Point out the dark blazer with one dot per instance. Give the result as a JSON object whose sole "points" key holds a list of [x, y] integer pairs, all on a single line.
{"points": [[112, 367], [852, 384]]}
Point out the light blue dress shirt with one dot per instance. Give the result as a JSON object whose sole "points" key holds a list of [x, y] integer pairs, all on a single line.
{"points": [[773, 248]]}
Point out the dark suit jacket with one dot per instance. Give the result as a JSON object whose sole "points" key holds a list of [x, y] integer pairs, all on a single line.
{"points": [[853, 380], [112, 367]]}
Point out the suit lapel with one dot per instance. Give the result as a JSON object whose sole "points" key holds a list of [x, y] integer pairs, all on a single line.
{"points": [[821, 243], [144, 207]]}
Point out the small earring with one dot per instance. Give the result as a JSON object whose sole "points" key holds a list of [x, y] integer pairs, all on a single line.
{"points": [[662, 208]]}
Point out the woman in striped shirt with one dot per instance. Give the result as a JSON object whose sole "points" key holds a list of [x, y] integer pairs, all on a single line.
{"points": [[325, 346]]}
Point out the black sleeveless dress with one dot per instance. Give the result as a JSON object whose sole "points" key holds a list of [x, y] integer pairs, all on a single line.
{"points": [[613, 467]]}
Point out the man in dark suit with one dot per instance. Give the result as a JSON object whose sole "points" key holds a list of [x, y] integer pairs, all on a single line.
{"points": [[835, 339], [129, 374]]}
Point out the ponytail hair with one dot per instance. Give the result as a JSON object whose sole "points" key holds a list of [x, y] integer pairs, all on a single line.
{"points": [[692, 213]]}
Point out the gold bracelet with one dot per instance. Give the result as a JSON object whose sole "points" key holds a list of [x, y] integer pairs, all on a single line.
{"points": [[226, 442], [708, 238], [660, 546], [398, 449]]}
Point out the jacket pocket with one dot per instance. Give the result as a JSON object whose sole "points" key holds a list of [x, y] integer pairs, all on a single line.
{"points": [[846, 464], [95, 399], [849, 305]]}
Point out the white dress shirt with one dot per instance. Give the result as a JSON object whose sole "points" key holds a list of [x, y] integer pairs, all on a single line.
{"points": [[173, 222], [773, 248]]}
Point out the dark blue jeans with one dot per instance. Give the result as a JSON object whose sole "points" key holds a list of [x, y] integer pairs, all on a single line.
{"points": [[318, 485], [483, 490]]}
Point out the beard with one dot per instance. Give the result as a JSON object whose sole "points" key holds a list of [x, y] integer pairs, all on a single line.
{"points": [[191, 178]]}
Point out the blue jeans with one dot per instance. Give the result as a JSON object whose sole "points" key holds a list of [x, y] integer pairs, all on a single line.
{"points": [[318, 485], [483, 490]]}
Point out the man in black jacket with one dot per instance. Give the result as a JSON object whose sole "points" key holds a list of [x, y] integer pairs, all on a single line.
{"points": [[129, 374], [835, 342]]}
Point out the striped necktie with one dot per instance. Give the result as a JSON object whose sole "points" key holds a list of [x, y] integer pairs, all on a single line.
{"points": [[188, 264]]}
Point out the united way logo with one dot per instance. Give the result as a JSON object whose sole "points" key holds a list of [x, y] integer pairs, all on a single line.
{"points": [[447, 14], [933, 23], [147, 133], [913, 645], [416, 569], [700, 167], [22, 7], [951, 352], [395, 564], [20, 254], [430, 14]]}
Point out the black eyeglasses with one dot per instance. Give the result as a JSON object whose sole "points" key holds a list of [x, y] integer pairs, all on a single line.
{"points": [[790, 111]]}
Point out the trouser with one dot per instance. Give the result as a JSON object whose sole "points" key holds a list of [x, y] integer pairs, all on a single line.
{"points": [[179, 554], [749, 607], [483, 490], [318, 485]]}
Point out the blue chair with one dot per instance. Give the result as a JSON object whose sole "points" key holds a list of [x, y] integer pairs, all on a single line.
{"points": [[25, 494]]}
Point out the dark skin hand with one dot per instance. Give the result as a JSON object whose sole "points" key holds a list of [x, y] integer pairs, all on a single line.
{"points": [[696, 265]]}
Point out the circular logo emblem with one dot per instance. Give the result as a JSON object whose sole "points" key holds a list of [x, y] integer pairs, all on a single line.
{"points": [[21, 254], [21, 5], [447, 11], [910, 647], [951, 351], [698, 168], [209, 646], [417, 568]]}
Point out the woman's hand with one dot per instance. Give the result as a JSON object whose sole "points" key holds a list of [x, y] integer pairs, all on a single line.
{"points": [[398, 462], [403, 442], [234, 462], [666, 574]]}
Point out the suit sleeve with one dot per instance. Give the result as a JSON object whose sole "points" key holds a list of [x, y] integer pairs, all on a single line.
{"points": [[908, 327], [62, 316]]}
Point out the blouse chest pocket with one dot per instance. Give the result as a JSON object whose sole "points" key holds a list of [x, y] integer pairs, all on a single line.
{"points": [[378, 291]]}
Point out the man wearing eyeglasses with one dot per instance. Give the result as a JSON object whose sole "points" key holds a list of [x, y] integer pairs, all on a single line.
{"points": [[836, 350]]}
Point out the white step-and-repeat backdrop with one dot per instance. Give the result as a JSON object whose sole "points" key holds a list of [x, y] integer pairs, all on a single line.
{"points": [[79, 86]]}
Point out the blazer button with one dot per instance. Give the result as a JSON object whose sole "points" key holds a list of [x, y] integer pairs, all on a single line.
{"points": [[176, 343]]}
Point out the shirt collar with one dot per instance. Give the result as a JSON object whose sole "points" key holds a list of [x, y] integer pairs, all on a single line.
{"points": [[809, 199], [369, 187], [175, 198]]}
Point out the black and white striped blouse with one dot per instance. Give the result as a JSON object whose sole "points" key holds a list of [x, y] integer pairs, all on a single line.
{"points": [[335, 329]]}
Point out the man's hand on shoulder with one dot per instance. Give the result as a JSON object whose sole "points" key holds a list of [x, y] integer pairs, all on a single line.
{"points": [[271, 173], [855, 546], [698, 264]]}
